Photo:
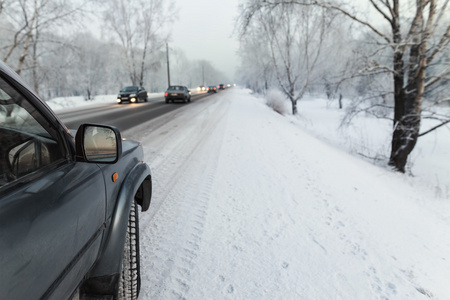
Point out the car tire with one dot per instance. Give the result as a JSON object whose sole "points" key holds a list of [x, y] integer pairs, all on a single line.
{"points": [[167, 101], [130, 279]]}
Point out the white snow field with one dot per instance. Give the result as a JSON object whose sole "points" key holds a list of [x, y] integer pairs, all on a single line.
{"points": [[249, 204]]}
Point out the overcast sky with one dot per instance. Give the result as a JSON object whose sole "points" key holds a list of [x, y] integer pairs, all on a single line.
{"points": [[203, 31]]}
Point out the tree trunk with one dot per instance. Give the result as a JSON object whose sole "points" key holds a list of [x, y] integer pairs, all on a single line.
{"points": [[399, 112], [406, 128]]}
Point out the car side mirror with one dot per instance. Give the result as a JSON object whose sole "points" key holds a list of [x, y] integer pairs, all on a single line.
{"points": [[98, 144]]}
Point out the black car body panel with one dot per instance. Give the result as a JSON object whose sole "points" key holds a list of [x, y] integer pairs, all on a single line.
{"points": [[61, 222], [28, 249], [132, 94]]}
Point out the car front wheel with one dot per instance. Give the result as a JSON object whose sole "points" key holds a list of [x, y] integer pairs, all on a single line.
{"points": [[130, 280]]}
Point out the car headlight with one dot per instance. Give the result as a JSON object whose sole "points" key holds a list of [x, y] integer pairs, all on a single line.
{"points": [[133, 99], [119, 100], [133, 95]]}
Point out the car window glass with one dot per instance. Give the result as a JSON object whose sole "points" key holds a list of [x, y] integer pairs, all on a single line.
{"points": [[13, 116], [129, 89], [27, 141]]}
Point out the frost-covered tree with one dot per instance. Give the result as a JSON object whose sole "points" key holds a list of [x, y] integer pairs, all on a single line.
{"points": [[415, 35], [27, 26], [91, 65], [141, 29], [295, 36], [256, 68]]}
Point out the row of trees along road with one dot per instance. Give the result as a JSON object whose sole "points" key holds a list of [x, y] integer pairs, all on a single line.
{"points": [[405, 41], [93, 47]]}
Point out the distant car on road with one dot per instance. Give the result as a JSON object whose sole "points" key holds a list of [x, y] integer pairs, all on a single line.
{"points": [[212, 89], [132, 94], [68, 203], [177, 92], [221, 86]]}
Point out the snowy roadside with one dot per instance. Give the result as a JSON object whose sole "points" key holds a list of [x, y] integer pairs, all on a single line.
{"points": [[62, 103], [247, 205], [369, 138]]}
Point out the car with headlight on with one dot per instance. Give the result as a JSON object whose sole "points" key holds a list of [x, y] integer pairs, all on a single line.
{"points": [[132, 94], [177, 92], [69, 203]]}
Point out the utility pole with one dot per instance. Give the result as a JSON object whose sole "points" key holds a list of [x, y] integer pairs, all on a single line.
{"points": [[168, 69], [203, 73]]}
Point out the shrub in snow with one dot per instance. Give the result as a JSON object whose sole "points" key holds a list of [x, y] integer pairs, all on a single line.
{"points": [[276, 100]]}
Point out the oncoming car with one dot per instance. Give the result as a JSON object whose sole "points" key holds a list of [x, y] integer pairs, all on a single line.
{"points": [[177, 92], [69, 203], [132, 94]]}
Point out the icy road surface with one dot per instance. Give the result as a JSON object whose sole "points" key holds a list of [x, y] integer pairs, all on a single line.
{"points": [[246, 205]]}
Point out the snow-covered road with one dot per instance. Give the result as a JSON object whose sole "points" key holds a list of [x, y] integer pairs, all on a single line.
{"points": [[246, 205]]}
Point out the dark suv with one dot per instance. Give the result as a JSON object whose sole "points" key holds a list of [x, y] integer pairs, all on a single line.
{"points": [[132, 94], [68, 204]]}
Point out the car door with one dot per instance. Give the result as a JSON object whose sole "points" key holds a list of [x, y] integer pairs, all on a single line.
{"points": [[52, 208], [140, 93]]}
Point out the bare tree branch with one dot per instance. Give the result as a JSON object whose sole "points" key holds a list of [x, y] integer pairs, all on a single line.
{"points": [[437, 78], [381, 12], [434, 128], [441, 45]]}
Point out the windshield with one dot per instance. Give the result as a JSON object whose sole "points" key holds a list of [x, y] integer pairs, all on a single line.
{"points": [[14, 116], [129, 89], [176, 87]]}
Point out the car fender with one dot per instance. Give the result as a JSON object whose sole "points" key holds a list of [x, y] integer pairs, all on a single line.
{"points": [[104, 275]]}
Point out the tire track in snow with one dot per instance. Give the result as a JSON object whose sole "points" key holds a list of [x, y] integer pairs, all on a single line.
{"points": [[181, 193]]}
